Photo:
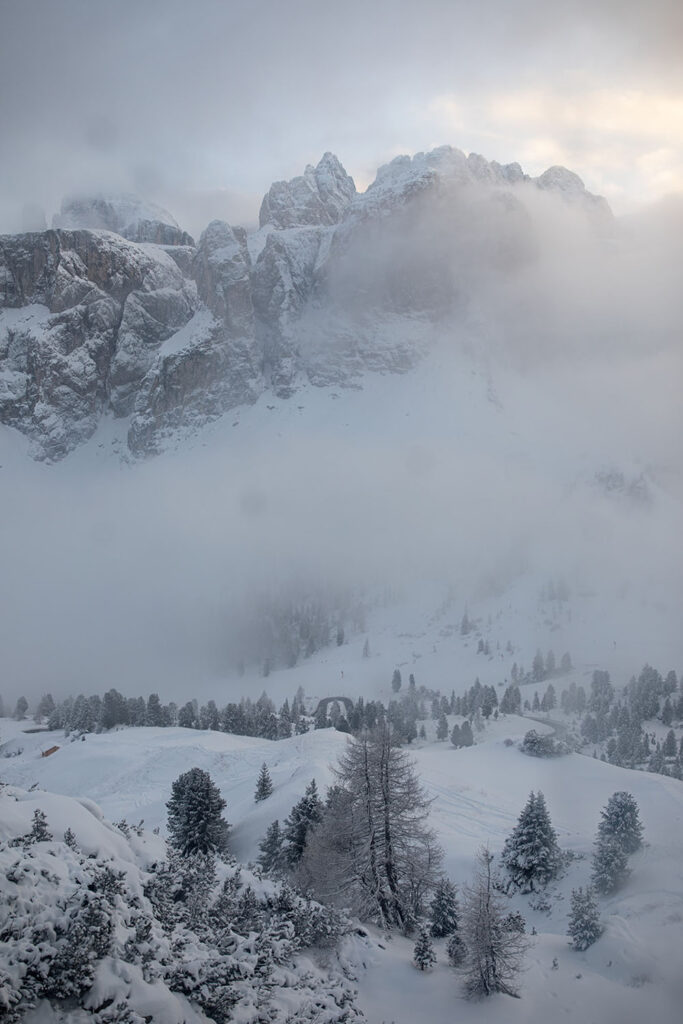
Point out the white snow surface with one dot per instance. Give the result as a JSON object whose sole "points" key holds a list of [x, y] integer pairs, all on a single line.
{"points": [[633, 969]]}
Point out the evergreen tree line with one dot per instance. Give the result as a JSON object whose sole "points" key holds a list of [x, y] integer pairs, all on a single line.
{"points": [[617, 720], [542, 668]]}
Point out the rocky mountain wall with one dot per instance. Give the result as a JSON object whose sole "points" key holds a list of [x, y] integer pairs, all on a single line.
{"points": [[116, 310]]}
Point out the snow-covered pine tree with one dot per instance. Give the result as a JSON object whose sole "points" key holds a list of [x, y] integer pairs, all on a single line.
{"points": [[444, 910], [195, 821], [531, 854], [610, 864], [584, 919], [494, 954], [620, 820], [442, 727], [21, 709], [39, 833], [466, 736], [272, 856], [456, 739], [306, 813], [456, 950], [264, 784], [423, 954]]}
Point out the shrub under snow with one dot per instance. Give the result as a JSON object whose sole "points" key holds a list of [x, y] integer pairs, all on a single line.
{"points": [[108, 923]]}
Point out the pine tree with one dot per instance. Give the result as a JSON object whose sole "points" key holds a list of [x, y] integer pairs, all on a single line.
{"points": [[39, 831], [531, 854], [466, 736], [620, 820], [669, 748], [423, 954], [442, 727], [456, 738], [494, 954], [610, 865], [45, 707], [444, 910], [195, 822], [538, 668], [153, 714], [305, 814], [549, 700], [456, 950], [584, 920], [21, 709], [272, 855], [396, 681], [264, 784]]}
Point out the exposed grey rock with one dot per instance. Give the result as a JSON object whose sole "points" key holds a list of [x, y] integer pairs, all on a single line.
{"points": [[282, 282], [215, 363], [194, 383], [320, 196], [221, 268], [157, 232], [88, 306], [338, 284]]}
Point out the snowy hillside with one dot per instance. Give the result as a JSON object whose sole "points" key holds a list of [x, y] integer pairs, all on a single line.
{"points": [[477, 796]]}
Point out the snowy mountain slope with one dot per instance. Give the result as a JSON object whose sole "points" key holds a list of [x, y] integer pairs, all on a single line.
{"points": [[477, 795], [333, 285]]}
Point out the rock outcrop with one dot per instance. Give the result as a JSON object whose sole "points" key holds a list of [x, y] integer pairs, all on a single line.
{"points": [[82, 310], [320, 196], [116, 310], [215, 362]]}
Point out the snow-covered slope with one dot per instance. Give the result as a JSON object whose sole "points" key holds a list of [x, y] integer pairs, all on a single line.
{"points": [[477, 794]]}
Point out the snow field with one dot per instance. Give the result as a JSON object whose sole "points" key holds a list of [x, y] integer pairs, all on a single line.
{"points": [[477, 794]]}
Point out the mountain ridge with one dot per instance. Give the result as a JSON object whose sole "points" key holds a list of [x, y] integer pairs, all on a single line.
{"points": [[334, 283]]}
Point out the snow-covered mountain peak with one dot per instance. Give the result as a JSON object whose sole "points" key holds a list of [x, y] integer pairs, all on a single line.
{"points": [[124, 213], [407, 176], [320, 196]]}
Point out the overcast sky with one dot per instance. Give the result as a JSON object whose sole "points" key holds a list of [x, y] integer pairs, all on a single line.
{"points": [[202, 105]]}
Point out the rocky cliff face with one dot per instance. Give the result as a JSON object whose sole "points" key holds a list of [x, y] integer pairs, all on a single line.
{"points": [[116, 310]]}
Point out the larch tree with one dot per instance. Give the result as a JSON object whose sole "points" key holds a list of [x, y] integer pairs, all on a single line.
{"points": [[374, 849], [494, 952]]}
